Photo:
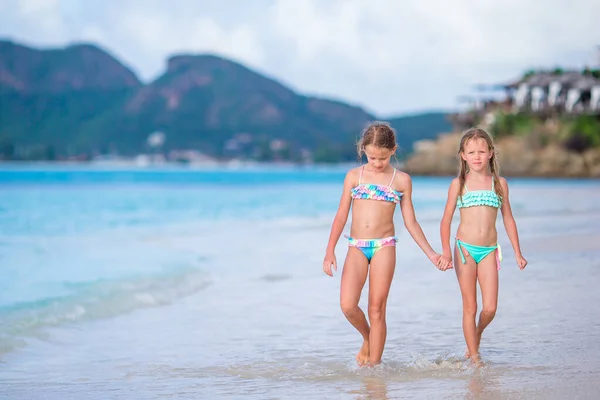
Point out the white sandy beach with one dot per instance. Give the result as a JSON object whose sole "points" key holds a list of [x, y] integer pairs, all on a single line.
{"points": [[242, 308]]}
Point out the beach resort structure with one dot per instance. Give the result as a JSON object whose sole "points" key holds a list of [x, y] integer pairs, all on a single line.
{"points": [[542, 93], [557, 91]]}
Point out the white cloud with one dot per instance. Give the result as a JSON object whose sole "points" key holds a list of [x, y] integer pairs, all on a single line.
{"points": [[93, 33], [146, 37], [35, 18], [27, 7], [386, 55]]}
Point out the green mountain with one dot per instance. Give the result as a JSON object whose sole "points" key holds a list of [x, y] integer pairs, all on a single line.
{"points": [[412, 128], [81, 101]]}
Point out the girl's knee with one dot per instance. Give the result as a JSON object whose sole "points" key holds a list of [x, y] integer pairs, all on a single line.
{"points": [[489, 310], [349, 309], [470, 310], [376, 312]]}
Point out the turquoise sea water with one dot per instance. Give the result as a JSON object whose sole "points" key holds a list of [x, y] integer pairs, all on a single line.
{"points": [[206, 283]]}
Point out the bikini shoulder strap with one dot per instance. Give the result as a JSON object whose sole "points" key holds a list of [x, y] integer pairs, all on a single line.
{"points": [[361, 172], [393, 176]]}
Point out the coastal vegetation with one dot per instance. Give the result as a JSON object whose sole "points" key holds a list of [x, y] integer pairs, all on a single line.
{"points": [[548, 125], [81, 103]]}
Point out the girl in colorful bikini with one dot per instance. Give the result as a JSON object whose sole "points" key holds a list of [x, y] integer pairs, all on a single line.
{"points": [[479, 192], [372, 191]]}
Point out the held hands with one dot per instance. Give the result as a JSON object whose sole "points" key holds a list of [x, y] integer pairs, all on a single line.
{"points": [[329, 261], [445, 263], [442, 263], [521, 262]]}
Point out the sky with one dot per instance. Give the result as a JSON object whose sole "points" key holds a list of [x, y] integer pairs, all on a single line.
{"points": [[390, 57]]}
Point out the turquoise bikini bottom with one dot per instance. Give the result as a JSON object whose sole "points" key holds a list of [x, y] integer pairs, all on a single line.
{"points": [[478, 253]]}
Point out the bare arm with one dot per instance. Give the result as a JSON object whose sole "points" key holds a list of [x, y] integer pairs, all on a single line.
{"points": [[509, 221], [446, 223], [338, 224], [410, 220], [341, 217]]}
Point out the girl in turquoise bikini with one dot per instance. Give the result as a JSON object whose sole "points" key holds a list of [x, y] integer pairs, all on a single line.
{"points": [[373, 191], [478, 192]]}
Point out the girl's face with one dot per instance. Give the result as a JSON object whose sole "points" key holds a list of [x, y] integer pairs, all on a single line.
{"points": [[378, 157], [477, 154]]}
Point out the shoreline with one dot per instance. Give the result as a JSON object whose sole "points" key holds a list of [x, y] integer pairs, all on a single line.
{"points": [[241, 166]]}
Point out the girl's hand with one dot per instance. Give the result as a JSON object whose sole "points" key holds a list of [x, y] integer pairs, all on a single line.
{"points": [[445, 263], [328, 262], [436, 259], [521, 262]]}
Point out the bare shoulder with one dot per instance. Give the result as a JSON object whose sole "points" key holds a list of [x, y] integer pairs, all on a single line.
{"points": [[402, 181], [503, 182], [354, 172], [454, 184], [352, 175]]}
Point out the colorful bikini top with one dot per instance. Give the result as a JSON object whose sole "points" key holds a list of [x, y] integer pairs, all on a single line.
{"points": [[376, 192], [479, 198]]}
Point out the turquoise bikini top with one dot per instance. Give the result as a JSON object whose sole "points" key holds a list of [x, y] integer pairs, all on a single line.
{"points": [[376, 192], [479, 198]]}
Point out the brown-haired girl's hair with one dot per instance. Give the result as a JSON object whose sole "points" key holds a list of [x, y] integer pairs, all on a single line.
{"points": [[478, 133], [379, 134]]}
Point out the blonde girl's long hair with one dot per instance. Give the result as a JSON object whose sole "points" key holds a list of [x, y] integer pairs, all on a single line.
{"points": [[478, 133]]}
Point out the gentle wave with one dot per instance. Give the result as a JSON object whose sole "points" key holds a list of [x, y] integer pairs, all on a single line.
{"points": [[96, 300], [312, 368]]}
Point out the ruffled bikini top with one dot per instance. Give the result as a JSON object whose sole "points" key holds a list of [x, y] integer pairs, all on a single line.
{"points": [[479, 198], [373, 191]]}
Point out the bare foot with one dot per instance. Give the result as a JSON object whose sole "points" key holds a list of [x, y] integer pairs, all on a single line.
{"points": [[467, 353], [373, 364], [476, 361], [362, 358]]}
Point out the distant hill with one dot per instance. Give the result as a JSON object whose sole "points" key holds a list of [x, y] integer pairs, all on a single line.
{"points": [[76, 67], [79, 101], [415, 127]]}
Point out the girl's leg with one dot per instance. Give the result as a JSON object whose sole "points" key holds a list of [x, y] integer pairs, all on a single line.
{"points": [[383, 265], [467, 280], [354, 275], [487, 275]]}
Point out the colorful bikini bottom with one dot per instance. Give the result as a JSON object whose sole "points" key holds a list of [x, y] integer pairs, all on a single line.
{"points": [[370, 246]]}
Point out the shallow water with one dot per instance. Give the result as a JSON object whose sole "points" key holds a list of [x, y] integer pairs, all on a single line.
{"points": [[189, 284]]}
